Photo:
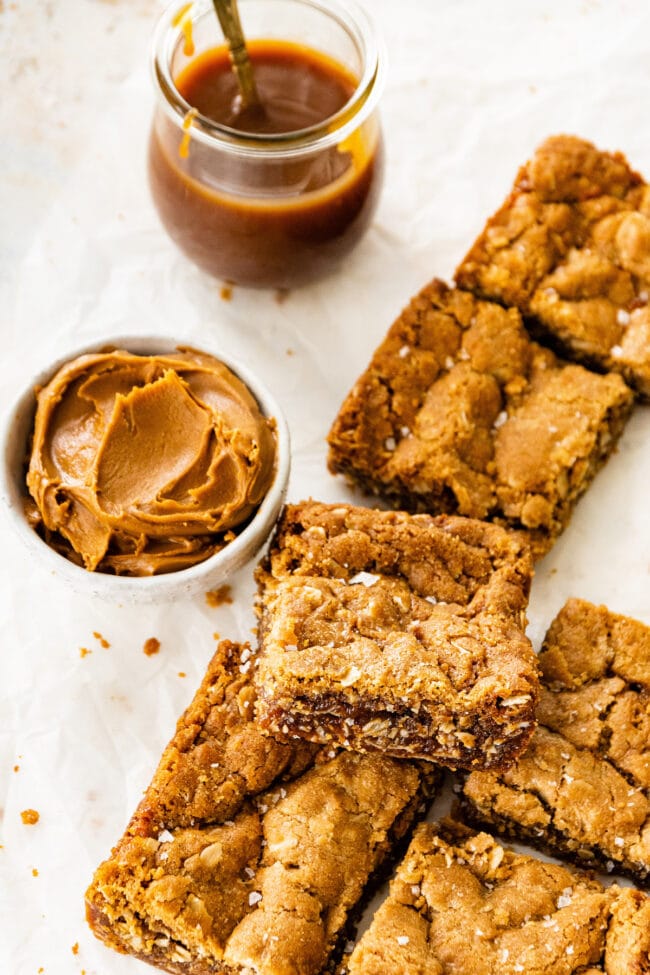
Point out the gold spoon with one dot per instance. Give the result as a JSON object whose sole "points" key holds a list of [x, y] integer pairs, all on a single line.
{"points": [[228, 15]]}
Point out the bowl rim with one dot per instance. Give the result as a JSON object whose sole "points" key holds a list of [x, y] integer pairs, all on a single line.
{"points": [[17, 426]]}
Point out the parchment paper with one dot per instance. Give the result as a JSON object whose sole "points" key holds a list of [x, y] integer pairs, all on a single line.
{"points": [[472, 89]]}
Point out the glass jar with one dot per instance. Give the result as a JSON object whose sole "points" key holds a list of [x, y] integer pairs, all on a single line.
{"points": [[257, 209]]}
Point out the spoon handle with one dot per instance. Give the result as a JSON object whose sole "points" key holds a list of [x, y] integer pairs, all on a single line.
{"points": [[228, 15]]}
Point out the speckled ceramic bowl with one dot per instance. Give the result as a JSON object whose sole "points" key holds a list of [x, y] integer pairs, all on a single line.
{"points": [[203, 576]]}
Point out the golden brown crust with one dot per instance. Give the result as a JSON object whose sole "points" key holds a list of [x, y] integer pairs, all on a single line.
{"points": [[460, 412], [570, 248], [395, 632], [461, 903], [249, 855], [583, 785]]}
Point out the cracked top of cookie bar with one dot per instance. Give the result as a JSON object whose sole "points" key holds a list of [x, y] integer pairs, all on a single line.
{"points": [[397, 607], [462, 903], [459, 411], [571, 248], [246, 853], [596, 688], [584, 783]]}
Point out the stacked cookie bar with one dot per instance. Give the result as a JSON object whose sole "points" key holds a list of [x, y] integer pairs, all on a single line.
{"points": [[570, 248], [248, 854], [252, 852], [460, 411], [461, 903], [383, 631], [582, 787]]}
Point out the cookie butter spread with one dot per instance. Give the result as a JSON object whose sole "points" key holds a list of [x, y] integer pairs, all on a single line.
{"points": [[145, 464]]}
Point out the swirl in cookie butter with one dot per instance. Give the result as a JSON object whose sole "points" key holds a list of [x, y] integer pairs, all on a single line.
{"points": [[146, 464]]}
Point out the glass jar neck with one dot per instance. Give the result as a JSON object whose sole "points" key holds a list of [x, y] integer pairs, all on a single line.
{"points": [[172, 32]]}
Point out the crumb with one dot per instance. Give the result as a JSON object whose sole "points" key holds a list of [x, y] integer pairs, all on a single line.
{"points": [[181, 673], [34, 872], [216, 636], [281, 295], [75, 948], [226, 291], [29, 817], [16, 768], [217, 597], [102, 641], [290, 352], [84, 651], [151, 646], [230, 536]]}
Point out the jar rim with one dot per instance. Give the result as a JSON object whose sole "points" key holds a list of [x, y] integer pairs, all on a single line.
{"points": [[331, 131]]}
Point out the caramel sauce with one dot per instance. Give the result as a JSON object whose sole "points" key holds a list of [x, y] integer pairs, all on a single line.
{"points": [[184, 19], [184, 147], [298, 87], [254, 221]]}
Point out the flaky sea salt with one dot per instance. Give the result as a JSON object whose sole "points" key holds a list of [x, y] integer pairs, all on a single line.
{"points": [[404, 351], [363, 579], [403, 939], [165, 836], [623, 317], [254, 898]]}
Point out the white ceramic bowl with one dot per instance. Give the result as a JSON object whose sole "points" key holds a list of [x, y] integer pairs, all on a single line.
{"points": [[210, 573]]}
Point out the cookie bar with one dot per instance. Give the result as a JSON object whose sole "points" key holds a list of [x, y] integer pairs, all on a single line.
{"points": [[246, 854], [570, 248], [461, 903], [460, 412], [384, 631], [583, 786]]}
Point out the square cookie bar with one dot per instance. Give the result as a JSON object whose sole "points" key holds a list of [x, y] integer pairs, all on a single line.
{"points": [[245, 854], [570, 248], [384, 631], [461, 903], [460, 412], [582, 788]]}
